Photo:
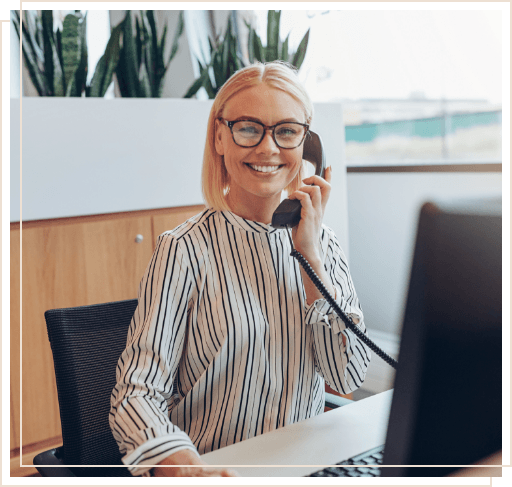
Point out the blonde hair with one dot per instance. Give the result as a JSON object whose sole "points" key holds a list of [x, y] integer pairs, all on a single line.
{"points": [[277, 74]]}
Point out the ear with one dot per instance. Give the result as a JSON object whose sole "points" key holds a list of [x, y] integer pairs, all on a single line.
{"points": [[219, 144]]}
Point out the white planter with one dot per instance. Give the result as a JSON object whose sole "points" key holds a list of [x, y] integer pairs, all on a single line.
{"points": [[84, 156]]}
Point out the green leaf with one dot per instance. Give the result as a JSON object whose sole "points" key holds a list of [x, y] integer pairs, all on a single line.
{"points": [[58, 46], [198, 83], [81, 72], [107, 64], [29, 57], [130, 67], [148, 62], [284, 49], [259, 51], [138, 43], [144, 84], [36, 76], [33, 22], [154, 41], [70, 50], [273, 20], [299, 56], [47, 21], [250, 43], [161, 46], [29, 39], [58, 74]]}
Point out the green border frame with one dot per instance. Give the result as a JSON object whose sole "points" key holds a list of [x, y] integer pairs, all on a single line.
{"points": [[4, 15]]}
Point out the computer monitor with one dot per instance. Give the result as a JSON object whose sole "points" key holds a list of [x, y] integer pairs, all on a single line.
{"points": [[447, 403]]}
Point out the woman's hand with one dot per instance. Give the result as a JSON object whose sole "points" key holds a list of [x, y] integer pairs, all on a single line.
{"points": [[313, 199], [306, 235], [183, 466]]}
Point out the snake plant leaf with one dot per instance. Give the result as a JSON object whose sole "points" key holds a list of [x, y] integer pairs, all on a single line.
{"points": [[58, 74], [211, 91], [145, 86], [58, 45], [34, 25], [138, 43], [284, 49], [161, 45], [81, 72], [29, 36], [250, 44], [31, 63], [120, 76], [198, 83], [175, 41], [71, 50], [222, 68], [299, 56], [150, 49], [106, 65], [154, 36], [129, 66], [259, 51], [273, 21], [47, 22]]}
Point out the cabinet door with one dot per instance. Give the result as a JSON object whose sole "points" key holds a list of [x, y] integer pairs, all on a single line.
{"points": [[66, 265]]}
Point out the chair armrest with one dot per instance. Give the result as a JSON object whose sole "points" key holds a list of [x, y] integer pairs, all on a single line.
{"points": [[332, 401], [49, 458]]}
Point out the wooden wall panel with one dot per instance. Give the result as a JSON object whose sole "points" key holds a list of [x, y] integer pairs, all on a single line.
{"points": [[53, 267], [15, 338], [70, 265]]}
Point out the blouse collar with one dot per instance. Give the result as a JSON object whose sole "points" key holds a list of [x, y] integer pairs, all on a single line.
{"points": [[247, 225]]}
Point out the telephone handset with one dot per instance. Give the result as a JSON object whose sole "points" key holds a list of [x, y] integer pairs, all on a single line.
{"points": [[288, 212], [287, 215]]}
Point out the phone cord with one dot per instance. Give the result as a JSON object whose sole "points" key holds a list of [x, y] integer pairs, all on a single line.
{"points": [[348, 321]]}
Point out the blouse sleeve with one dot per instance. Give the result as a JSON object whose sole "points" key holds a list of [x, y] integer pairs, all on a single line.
{"points": [[342, 366], [139, 416]]}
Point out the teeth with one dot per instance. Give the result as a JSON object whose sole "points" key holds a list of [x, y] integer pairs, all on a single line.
{"points": [[264, 168]]}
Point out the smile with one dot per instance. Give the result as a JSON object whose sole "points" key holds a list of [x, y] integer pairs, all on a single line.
{"points": [[265, 169]]}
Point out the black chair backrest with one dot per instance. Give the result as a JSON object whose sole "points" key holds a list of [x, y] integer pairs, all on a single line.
{"points": [[87, 342]]}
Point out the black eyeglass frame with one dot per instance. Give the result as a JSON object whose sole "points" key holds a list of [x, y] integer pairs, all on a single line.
{"points": [[265, 128]]}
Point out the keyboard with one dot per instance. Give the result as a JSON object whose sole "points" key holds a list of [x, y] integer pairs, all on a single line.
{"points": [[343, 469]]}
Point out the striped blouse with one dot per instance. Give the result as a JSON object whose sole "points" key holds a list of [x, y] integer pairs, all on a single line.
{"points": [[223, 346]]}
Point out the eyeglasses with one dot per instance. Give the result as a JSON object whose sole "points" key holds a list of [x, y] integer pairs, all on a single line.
{"points": [[248, 133]]}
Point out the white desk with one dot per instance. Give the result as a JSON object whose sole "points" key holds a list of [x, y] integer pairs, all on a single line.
{"points": [[303, 448]]}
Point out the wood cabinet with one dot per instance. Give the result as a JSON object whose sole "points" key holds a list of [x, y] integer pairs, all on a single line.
{"points": [[68, 262]]}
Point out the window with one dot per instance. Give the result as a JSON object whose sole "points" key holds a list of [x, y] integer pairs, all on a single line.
{"points": [[416, 85]]}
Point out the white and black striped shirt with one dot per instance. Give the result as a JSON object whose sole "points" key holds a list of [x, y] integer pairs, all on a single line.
{"points": [[223, 347]]}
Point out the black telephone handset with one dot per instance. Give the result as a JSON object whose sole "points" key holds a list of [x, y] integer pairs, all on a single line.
{"points": [[288, 212], [287, 216]]}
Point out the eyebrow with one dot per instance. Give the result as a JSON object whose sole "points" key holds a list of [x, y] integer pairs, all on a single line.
{"points": [[254, 119]]}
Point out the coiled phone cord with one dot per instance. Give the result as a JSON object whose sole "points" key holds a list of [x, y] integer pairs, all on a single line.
{"points": [[348, 321]]}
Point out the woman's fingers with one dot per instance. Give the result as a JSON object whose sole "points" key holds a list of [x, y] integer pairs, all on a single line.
{"points": [[197, 471], [304, 198], [321, 183]]}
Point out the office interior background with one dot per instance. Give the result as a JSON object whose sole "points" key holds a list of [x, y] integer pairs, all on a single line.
{"points": [[419, 94]]}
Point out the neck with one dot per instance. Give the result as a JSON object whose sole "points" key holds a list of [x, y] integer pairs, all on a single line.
{"points": [[257, 211]]}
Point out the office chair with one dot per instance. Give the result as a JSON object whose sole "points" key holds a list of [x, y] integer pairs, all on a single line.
{"points": [[86, 343]]}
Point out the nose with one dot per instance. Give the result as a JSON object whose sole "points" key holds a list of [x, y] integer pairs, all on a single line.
{"points": [[267, 145]]}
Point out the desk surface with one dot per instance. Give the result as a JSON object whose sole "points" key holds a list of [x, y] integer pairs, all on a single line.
{"points": [[303, 448]]}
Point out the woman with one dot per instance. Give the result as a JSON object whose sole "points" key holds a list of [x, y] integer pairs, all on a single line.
{"points": [[230, 338]]}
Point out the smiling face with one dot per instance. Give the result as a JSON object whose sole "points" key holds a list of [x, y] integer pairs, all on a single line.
{"points": [[259, 174]]}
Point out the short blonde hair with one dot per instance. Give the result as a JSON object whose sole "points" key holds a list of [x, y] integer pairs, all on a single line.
{"points": [[277, 74]]}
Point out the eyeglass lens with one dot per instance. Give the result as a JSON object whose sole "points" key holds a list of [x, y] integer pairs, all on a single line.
{"points": [[288, 135]]}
